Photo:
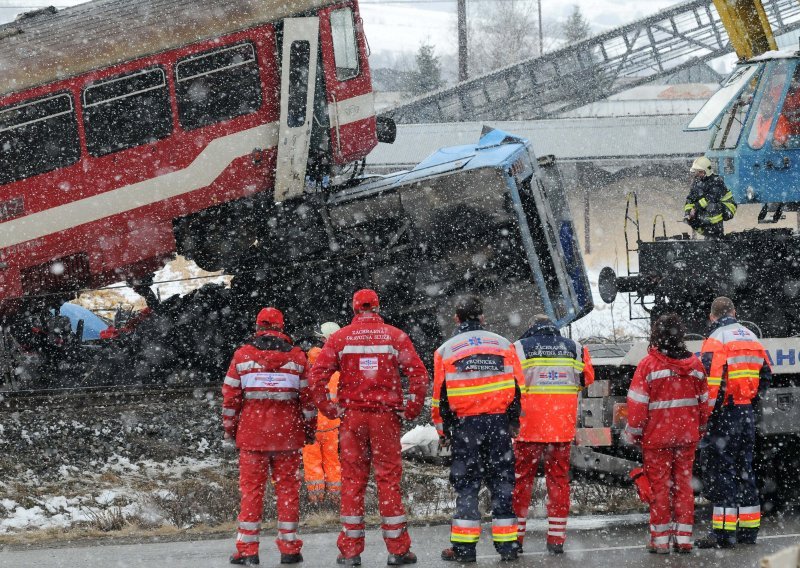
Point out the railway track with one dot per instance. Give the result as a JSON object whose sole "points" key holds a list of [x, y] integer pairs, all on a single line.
{"points": [[127, 396]]}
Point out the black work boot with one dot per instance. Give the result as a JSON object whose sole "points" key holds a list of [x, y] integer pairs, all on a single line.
{"points": [[746, 536], [553, 548], [244, 560], [400, 559], [453, 555], [291, 558], [509, 554], [712, 541], [352, 561]]}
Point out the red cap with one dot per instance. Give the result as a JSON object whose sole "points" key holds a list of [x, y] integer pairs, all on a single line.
{"points": [[365, 299], [270, 318]]}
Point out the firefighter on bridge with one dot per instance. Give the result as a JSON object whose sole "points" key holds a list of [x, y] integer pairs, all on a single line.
{"points": [[371, 356], [475, 408], [321, 467], [267, 409], [667, 414], [738, 371], [555, 370], [709, 203]]}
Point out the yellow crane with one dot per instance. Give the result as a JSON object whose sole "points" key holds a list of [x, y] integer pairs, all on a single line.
{"points": [[747, 25]]}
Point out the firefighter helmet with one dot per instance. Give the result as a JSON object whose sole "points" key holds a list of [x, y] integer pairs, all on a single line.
{"points": [[702, 164], [327, 329]]}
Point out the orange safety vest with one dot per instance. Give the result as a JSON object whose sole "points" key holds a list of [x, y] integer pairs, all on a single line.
{"points": [[479, 372], [550, 393], [736, 358]]}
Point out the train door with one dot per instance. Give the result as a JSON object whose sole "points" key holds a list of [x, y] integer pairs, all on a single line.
{"points": [[298, 80]]}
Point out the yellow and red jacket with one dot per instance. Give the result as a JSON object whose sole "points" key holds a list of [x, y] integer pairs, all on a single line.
{"points": [[735, 361], [474, 372], [555, 370]]}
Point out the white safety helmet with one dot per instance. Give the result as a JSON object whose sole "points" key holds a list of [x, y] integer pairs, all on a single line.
{"points": [[702, 164], [327, 329]]}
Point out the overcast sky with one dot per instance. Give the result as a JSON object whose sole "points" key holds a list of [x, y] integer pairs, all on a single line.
{"points": [[402, 25], [393, 26]]}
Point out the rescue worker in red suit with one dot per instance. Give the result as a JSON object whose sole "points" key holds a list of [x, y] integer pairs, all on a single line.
{"points": [[738, 372], [371, 357], [556, 369], [475, 409], [267, 409], [667, 414]]}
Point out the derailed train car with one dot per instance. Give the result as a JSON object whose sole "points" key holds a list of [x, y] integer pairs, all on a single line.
{"points": [[477, 218]]}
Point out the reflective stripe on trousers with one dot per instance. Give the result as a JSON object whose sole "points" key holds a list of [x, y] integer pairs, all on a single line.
{"points": [[465, 531], [682, 533], [393, 527], [724, 518], [749, 517], [557, 526], [504, 530]]}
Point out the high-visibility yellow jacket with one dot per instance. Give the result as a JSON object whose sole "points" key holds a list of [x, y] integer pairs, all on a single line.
{"points": [[735, 361], [474, 372], [556, 369]]}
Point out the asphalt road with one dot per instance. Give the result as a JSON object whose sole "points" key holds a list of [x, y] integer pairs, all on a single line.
{"points": [[591, 541]]}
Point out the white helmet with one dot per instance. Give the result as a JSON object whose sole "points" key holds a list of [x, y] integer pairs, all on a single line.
{"points": [[327, 329], [702, 164]]}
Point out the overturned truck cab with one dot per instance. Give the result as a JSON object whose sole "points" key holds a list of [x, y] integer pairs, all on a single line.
{"points": [[485, 218]]}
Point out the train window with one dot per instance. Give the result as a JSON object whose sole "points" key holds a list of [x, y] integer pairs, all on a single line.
{"points": [[299, 55], [787, 129], [732, 122], [217, 85], [345, 46], [768, 105], [126, 111], [37, 137]]}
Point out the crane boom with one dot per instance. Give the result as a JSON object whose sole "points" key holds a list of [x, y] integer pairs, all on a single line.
{"points": [[747, 25]]}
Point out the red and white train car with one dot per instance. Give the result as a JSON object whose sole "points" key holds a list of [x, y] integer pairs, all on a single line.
{"points": [[123, 125]]}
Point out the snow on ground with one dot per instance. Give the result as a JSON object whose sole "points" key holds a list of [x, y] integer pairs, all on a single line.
{"points": [[610, 321]]}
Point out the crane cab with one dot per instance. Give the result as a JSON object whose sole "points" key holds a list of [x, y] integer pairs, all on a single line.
{"points": [[755, 119]]}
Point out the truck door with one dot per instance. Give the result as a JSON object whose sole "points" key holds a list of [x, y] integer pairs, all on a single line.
{"points": [[298, 79]]}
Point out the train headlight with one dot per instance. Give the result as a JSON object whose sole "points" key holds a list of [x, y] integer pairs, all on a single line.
{"points": [[751, 193]]}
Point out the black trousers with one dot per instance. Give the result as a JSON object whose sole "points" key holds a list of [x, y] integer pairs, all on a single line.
{"points": [[482, 451]]}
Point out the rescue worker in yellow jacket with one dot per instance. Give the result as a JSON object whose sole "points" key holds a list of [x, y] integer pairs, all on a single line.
{"points": [[556, 369], [475, 409], [321, 466]]}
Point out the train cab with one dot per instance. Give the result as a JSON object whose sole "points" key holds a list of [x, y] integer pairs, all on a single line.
{"points": [[755, 119]]}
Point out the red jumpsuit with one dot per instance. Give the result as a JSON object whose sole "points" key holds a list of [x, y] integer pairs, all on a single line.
{"points": [[267, 407], [667, 410], [556, 369], [370, 357]]}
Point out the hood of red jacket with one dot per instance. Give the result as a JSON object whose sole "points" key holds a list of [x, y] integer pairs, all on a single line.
{"points": [[681, 366]]}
